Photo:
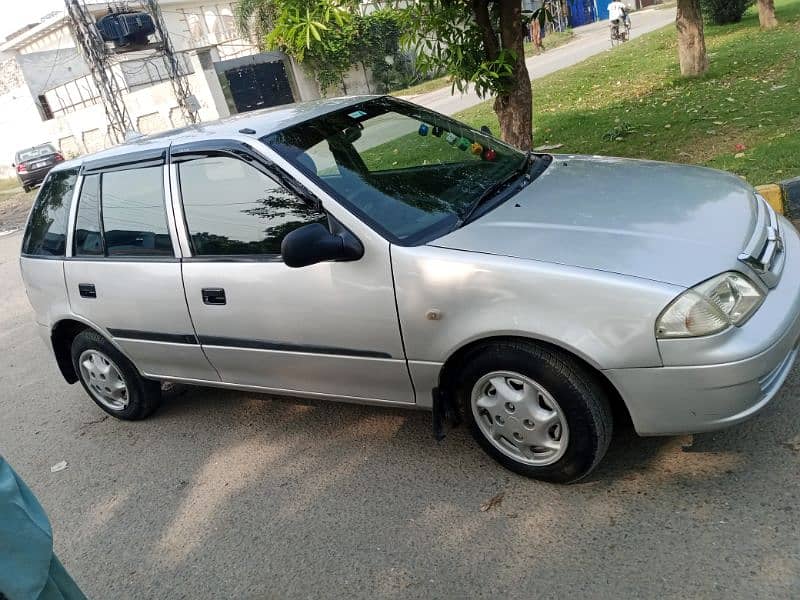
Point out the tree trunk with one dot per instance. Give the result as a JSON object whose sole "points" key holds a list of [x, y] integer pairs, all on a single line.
{"points": [[691, 41], [514, 108], [766, 14]]}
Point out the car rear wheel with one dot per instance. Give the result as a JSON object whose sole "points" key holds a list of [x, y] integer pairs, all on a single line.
{"points": [[536, 410], [111, 380]]}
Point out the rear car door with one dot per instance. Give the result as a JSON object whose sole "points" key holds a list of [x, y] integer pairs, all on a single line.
{"points": [[329, 329], [123, 273]]}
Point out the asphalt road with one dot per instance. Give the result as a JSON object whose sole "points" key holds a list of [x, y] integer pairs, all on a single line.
{"points": [[589, 40], [233, 495]]}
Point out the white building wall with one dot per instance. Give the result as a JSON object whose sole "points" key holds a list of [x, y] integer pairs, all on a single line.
{"points": [[20, 123], [59, 38]]}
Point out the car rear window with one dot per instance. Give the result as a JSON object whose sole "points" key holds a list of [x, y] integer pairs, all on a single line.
{"points": [[34, 153], [46, 233]]}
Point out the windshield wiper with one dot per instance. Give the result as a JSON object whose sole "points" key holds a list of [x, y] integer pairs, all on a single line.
{"points": [[522, 171]]}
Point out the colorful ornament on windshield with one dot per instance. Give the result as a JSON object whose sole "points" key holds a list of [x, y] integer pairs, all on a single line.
{"points": [[437, 131], [463, 143], [476, 149], [451, 138], [489, 154], [423, 129]]}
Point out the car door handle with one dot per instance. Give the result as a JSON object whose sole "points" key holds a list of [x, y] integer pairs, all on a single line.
{"points": [[214, 296], [87, 290]]}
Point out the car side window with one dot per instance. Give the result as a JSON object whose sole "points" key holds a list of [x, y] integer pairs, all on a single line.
{"points": [[46, 233], [87, 236], [232, 208], [130, 206], [133, 213]]}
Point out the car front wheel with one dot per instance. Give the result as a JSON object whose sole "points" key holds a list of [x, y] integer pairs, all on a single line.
{"points": [[111, 380], [536, 410]]}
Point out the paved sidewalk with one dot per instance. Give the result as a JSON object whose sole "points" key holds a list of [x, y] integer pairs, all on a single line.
{"points": [[589, 40]]}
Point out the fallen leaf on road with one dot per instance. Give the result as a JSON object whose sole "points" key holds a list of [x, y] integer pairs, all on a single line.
{"points": [[59, 466], [492, 502], [793, 444]]}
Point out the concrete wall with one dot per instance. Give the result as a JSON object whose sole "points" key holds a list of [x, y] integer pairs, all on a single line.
{"points": [[50, 68], [305, 84], [356, 81], [59, 38]]}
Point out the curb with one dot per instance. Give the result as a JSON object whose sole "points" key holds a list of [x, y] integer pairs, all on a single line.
{"points": [[784, 197]]}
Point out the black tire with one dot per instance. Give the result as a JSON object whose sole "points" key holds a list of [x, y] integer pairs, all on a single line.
{"points": [[576, 390], [26, 188], [144, 395]]}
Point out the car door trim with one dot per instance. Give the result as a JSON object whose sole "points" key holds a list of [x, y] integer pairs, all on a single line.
{"points": [[151, 336], [226, 342]]}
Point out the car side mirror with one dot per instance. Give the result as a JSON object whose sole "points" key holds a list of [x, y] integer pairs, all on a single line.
{"points": [[313, 243], [485, 129]]}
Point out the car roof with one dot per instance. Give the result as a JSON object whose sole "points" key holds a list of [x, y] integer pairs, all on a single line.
{"points": [[261, 122], [34, 147]]}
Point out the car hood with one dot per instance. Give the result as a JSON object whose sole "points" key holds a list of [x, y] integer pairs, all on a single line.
{"points": [[666, 222]]}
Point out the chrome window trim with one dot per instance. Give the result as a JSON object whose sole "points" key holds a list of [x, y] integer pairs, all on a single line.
{"points": [[169, 207], [73, 213]]}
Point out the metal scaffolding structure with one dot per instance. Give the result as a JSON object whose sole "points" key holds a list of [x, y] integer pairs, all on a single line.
{"points": [[94, 51], [177, 77], [99, 59]]}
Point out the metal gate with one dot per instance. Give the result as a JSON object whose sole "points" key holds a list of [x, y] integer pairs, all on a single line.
{"points": [[253, 82], [582, 12]]}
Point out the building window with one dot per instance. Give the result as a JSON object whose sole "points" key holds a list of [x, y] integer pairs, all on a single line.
{"points": [[44, 109], [71, 96]]}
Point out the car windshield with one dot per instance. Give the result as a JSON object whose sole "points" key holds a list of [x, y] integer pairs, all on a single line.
{"points": [[410, 173], [35, 152]]}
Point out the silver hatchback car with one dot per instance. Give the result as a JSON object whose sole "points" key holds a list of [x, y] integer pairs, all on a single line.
{"points": [[370, 250]]}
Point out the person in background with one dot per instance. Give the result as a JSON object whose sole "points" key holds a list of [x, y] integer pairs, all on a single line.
{"points": [[29, 570], [617, 13]]}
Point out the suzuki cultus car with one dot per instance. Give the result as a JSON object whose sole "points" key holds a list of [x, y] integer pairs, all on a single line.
{"points": [[370, 250]]}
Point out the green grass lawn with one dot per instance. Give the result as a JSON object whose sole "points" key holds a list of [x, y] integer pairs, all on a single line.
{"points": [[9, 184], [631, 101]]}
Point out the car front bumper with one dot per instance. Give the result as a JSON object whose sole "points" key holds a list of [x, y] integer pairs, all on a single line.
{"points": [[701, 397]]}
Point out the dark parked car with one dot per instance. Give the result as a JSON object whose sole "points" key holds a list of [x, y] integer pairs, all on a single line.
{"points": [[33, 164]]}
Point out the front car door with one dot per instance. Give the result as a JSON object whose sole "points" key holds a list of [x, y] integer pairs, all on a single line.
{"points": [[122, 271], [330, 329]]}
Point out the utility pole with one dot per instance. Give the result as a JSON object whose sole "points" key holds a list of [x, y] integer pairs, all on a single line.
{"points": [[176, 71], [96, 55]]}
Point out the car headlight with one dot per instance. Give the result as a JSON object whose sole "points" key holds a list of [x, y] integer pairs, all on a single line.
{"points": [[710, 307]]}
